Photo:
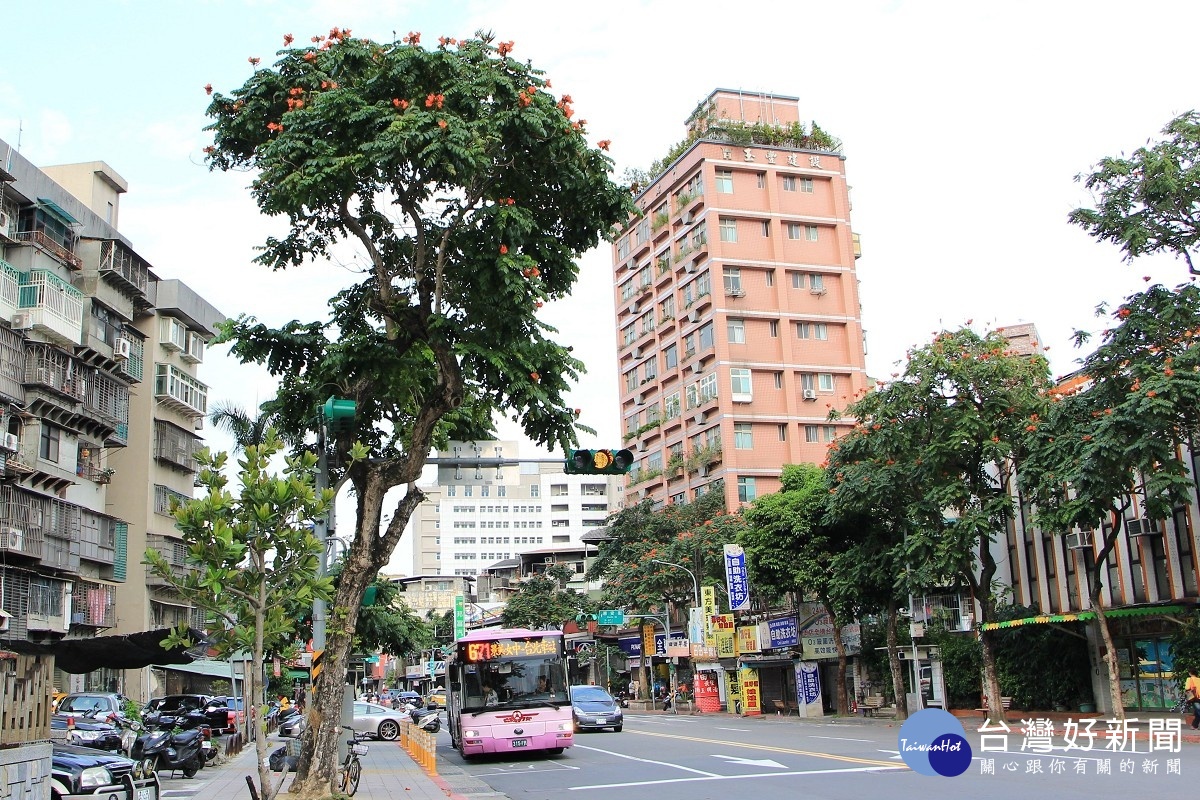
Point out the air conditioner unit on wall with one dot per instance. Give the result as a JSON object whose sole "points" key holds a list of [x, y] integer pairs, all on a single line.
{"points": [[693, 316], [123, 349], [10, 442], [818, 290], [4, 220], [810, 394], [1080, 540], [1140, 527], [22, 321]]}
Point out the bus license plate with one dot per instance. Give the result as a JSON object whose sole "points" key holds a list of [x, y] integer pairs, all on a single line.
{"points": [[520, 742]]}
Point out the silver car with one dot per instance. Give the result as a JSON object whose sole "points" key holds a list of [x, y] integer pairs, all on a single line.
{"points": [[377, 720]]}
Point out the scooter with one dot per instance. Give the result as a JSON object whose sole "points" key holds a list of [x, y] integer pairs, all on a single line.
{"points": [[427, 719], [162, 749], [623, 699]]}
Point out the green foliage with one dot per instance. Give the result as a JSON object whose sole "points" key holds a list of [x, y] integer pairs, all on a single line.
{"points": [[962, 666], [1185, 645], [943, 439], [542, 603], [252, 557], [389, 625], [1150, 202], [1041, 666], [692, 535]]}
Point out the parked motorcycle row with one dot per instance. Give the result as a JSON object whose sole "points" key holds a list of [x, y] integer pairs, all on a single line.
{"points": [[180, 741]]}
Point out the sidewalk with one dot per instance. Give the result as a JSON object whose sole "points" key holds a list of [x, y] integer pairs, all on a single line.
{"points": [[389, 773]]}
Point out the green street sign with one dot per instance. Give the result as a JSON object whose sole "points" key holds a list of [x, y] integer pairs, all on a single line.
{"points": [[460, 617], [611, 616]]}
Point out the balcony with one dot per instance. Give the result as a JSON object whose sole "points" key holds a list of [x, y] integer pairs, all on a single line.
{"points": [[47, 245], [175, 553], [93, 605], [124, 270], [51, 306], [17, 540], [10, 290], [176, 389], [53, 370]]}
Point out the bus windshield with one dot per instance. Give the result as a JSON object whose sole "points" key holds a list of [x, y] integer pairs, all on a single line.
{"points": [[513, 682]]}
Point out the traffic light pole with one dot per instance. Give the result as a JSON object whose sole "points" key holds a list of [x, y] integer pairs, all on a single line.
{"points": [[322, 528]]}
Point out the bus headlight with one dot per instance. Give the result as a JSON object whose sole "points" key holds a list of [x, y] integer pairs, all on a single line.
{"points": [[565, 726], [471, 734]]}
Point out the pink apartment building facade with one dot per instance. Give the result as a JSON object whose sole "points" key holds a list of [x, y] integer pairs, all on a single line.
{"points": [[738, 318]]}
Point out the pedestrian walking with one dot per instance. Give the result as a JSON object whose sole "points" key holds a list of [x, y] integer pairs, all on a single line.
{"points": [[1192, 691]]}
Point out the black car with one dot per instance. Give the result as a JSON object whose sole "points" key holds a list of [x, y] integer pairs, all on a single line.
{"points": [[594, 708], [81, 772]]}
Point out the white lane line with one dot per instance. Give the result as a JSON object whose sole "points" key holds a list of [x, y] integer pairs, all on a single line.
{"points": [[648, 761], [740, 730], [735, 777], [839, 738]]}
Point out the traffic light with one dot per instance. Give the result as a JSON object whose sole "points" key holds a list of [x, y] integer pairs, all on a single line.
{"points": [[339, 414], [599, 462]]}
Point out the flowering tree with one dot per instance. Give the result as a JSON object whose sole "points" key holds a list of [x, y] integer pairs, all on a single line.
{"points": [[543, 602], [946, 439], [1114, 435], [468, 189]]}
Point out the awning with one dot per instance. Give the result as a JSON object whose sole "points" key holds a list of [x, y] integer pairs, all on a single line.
{"points": [[124, 651], [768, 661], [209, 669], [58, 211], [1084, 616]]}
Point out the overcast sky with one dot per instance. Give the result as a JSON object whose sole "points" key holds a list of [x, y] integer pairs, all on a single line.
{"points": [[964, 125]]}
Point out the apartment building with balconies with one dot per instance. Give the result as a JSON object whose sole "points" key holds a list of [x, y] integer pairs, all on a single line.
{"points": [[738, 319], [99, 407]]}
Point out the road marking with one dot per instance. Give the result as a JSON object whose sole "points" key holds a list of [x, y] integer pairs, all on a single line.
{"points": [[649, 761], [750, 762], [768, 748], [896, 757], [888, 767], [739, 730], [838, 738]]}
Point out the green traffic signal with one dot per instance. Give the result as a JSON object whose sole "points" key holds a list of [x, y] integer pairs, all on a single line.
{"points": [[599, 462]]}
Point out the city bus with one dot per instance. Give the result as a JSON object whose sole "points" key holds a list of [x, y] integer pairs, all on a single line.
{"points": [[507, 692]]}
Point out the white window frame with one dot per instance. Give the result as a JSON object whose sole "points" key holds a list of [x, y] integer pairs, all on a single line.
{"points": [[741, 384], [724, 181], [747, 489], [743, 436], [810, 232], [825, 381], [736, 330], [728, 228], [789, 183], [794, 231], [732, 279]]}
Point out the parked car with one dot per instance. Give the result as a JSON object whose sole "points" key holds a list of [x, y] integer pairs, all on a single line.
{"points": [[76, 771], [593, 708], [87, 731], [97, 705], [406, 696], [235, 713], [377, 720], [437, 697], [293, 725]]}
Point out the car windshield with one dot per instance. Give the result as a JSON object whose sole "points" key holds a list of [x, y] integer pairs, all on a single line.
{"points": [[590, 693], [83, 704]]}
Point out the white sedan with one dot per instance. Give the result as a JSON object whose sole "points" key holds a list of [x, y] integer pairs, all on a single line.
{"points": [[377, 720]]}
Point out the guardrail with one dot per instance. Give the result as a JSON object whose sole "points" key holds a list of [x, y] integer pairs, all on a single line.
{"points": [[420, 744]]}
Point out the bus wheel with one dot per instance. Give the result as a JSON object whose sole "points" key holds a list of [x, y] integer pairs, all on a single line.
{"points": [[555, 751]]}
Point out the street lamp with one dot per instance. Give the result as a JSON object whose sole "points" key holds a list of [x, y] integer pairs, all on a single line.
{"points": [[695, 583]]}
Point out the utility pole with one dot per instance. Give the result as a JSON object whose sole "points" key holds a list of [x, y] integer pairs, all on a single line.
{"points": [[337, 414]]}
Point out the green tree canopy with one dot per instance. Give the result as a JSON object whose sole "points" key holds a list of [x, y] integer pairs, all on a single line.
{"points": [[1149, 202], [467, 189], [545, 603]]}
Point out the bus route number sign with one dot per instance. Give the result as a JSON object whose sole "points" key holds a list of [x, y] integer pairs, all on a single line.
{"points": [[474, 652]]}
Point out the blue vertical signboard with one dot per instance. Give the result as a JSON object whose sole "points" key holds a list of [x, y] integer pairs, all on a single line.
{"points": [[736, 578]]}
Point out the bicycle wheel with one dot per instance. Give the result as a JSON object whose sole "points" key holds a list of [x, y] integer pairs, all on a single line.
{"points": [[351, 776]]}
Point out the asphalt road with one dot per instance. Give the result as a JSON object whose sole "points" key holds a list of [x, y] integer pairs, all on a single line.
{"points": [[723, 757]]}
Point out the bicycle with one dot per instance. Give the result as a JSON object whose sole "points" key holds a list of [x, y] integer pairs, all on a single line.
{"points": [[351, 770], [1183, 706]]}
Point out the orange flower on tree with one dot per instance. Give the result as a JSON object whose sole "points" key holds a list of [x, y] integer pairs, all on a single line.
{"points": [[1124, 313], [603, 144], [254, 60], [208, 88], [535, 376], [288, 39], [442, 123], [504, 48], [503, 249], [310, 56]]}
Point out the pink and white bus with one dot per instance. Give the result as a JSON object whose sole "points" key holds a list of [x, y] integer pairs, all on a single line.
{"points": [[507, 692]]}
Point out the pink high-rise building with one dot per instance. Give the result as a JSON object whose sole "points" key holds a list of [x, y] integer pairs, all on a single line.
{"points": [[738, 320]]}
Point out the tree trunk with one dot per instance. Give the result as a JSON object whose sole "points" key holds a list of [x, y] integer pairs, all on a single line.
{"points": [[991, 679], [1114, 666], [842, 701], [894, 663], [319, 754], [266, 791]]}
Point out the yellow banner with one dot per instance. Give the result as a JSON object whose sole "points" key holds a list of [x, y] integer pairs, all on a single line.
{"points": [[748, 639], [708, 602], [647, 641]]}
